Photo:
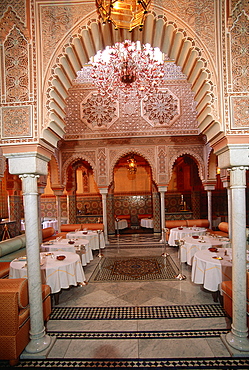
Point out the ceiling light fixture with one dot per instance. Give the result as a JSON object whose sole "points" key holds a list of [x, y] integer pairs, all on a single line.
{"points": [[132, 165], [127, 67], [127, 14]]}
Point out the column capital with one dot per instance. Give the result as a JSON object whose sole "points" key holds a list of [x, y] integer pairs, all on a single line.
{"points": [[162, 189], [27, 163], [103, 190]]}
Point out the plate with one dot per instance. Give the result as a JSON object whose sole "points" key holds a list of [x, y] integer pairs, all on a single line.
{"points": [[61, 257], [195, 237], [213, 249], [217, 258]]}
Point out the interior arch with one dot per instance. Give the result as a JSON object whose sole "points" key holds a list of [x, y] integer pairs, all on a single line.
{"points": [[166, 35]]}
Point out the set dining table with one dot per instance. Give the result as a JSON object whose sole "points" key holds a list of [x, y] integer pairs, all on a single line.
{"points": [[58, 274], [211, 268], [80, 246], [179, 233], [121, 224], [50, 223], [94, 238], [193, 244], [147, 223]]}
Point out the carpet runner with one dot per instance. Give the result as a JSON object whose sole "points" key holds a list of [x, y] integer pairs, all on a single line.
{"points": [[111, 269]]}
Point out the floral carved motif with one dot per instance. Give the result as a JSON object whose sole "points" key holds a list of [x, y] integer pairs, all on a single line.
{"points": [[16, 67], [161, 109], [98, 111], [16, 121], [240, 107]]}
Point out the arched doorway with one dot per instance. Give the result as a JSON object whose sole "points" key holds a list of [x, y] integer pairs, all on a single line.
{"points": [[133, 191]]}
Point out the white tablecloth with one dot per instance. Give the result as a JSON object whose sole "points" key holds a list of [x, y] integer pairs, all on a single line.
{"points": [[57, 274], [209, 271], [63, 246], [91, 236], [191, 246], [121, 224], [178, 234], [147, 222], [50, 223]]}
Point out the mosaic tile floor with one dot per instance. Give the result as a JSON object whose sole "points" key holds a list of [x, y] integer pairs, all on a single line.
{"points": [[138, 324]]}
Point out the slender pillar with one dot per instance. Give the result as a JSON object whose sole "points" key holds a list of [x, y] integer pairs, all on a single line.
{"points": [[162, 190], [237, 338], [209, 189], [229, 210], [58, 193], [103, 192], [39, 341]]}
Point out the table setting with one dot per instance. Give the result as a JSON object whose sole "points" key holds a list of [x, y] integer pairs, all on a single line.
{"points": [[59, 270], [179, 233], [195, 243], [92, 236], [211, 267], [79, 246], [147, 222]]}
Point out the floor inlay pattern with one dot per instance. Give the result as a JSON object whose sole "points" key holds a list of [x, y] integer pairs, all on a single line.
{"points": [[139, 335], [134, 313], [134, 269], [183, 363]]}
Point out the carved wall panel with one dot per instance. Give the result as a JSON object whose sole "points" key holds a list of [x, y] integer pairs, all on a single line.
{"points": [[16, 67], [16, 121], [98, 111], [240, 112], [240, 52]]}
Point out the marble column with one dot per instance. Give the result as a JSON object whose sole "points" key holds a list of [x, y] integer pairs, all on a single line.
{"points": [[162, 190], [238, 337], [58, 193], [29, 166], [103, 192], [38, 338], [209, 189], [226, 184]]}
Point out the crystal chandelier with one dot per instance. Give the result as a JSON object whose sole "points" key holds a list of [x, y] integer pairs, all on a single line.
{"points": [[126, 14], [132, 165], [126, 68]]}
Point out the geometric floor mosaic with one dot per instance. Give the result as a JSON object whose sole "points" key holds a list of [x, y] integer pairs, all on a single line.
{"points": [[113, 269], [136, 313], [187, 363], [138, 335]]}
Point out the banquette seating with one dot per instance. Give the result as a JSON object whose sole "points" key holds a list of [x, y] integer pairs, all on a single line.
{"points": [[15, 317], [170, 224], [223, 226], [226, 288]]}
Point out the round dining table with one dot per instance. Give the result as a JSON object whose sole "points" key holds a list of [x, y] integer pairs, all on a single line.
{"points": [[91, 236], [211, 268], [147, 222], [179, 233], [55, 273], [192, 245], [80, 246]]}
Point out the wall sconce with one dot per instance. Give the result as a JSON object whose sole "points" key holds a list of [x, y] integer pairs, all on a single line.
{"points": [[132, 165]]}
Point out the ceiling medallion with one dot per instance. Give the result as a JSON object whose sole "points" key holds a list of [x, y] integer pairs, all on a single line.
{"points": [[127, 14], [127, 68]]}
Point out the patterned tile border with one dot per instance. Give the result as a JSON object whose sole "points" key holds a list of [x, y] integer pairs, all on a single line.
{"points": [[135, 313], [180, 334], [187, 363]]}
